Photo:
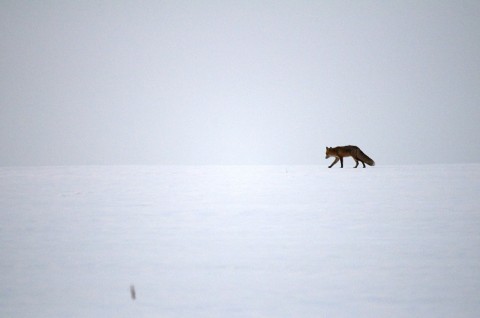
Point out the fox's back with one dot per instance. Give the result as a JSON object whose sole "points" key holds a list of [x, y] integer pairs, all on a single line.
{"points": [[344, 151]]}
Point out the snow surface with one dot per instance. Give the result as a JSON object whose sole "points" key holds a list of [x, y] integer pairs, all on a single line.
{"points": [[240, 241]]}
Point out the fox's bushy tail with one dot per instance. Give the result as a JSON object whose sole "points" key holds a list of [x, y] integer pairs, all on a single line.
{"points": [[369, 161]]}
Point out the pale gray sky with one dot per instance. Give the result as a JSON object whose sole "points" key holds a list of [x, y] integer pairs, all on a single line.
{"points": [[238, 82]]}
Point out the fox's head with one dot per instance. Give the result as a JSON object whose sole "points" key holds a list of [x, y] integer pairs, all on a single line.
{"points": [[328, 152]]}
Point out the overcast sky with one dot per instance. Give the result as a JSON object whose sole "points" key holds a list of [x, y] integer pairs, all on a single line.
{"points": [[238, 82]]}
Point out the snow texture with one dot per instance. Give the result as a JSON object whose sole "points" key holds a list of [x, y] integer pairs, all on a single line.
{"points": [[240, 241]]}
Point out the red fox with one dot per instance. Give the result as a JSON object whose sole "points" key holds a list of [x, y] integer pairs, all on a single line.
{"points": [[348, 151]]}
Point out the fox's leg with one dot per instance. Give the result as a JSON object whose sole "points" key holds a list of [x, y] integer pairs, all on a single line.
{"points": [[341, 162], [356, 161], [334, 162], [363, 163]]}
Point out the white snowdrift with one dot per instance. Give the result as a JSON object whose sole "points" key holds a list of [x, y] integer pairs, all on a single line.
{"points": [[246, 241]]}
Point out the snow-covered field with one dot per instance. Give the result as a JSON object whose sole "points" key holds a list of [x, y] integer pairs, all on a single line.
{"points": [[240, 241]]}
